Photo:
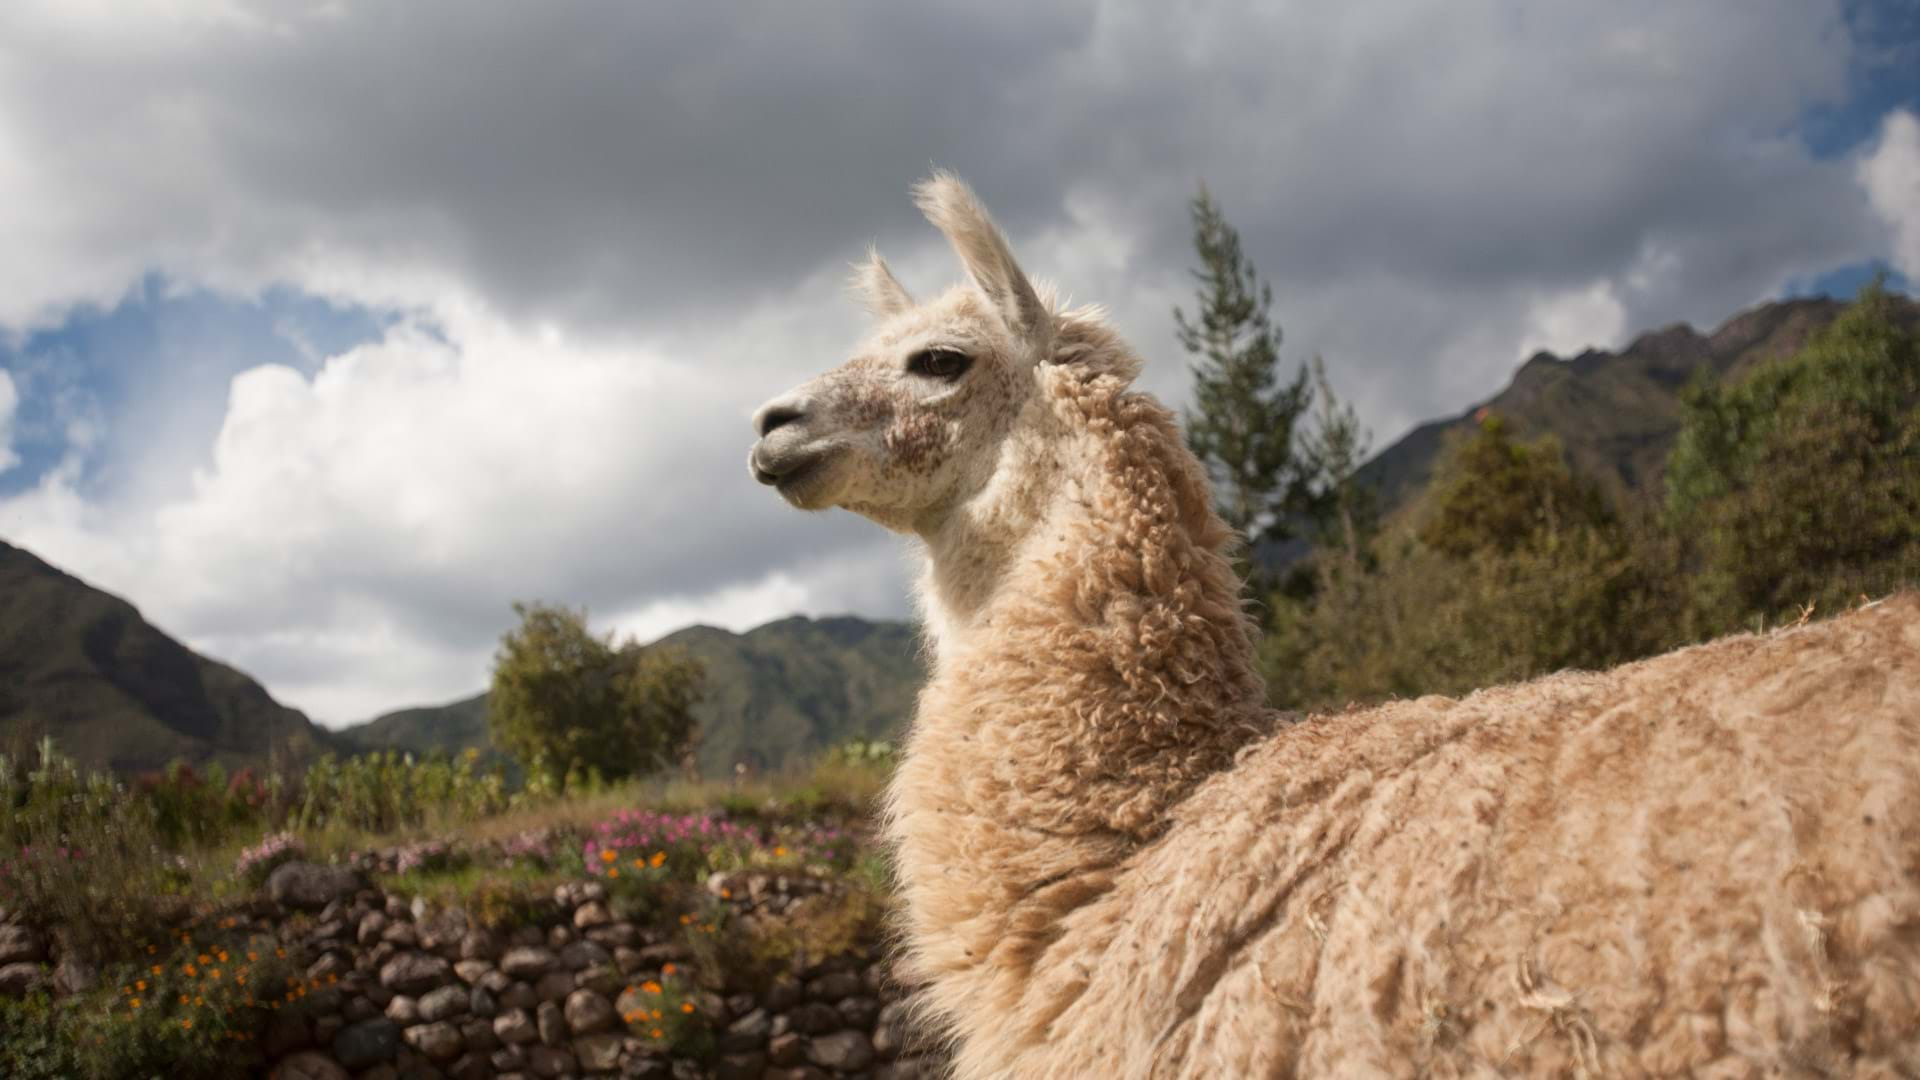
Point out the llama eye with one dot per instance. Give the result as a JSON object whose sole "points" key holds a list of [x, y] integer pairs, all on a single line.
{"points": [[947, 364]]}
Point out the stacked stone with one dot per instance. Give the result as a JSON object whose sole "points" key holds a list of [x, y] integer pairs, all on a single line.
{"points": [[424, 993]]}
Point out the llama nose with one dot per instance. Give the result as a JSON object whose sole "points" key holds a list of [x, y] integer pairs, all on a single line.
{"points": [[776, 414]]}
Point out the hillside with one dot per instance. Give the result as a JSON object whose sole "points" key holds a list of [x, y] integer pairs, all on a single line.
{"points": [[1617, 414], [775, 694], [82, 666]]}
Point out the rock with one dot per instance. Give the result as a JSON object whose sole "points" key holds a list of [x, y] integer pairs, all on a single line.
{"points": [[591, 914], [890, 1030], [847, 1051], [834, 987], [443, 1004], [858, 1012], [648, 1068], [559, 937], [20, 979], [481, 1003], [287, 1031], [601, 979], [588, 1012], [325, 1028], [331, 962], [414, 973], [21, 945], [329, 930], [747, 1034], [471, 971], [550, 1061], [814, 1018], [554, 986], [524, 936], [784, 994], [495, 981], [310, 886], [552, 1022], [515, 1026], [787, 1049], [401, 935], [598, 1053], [470, 1067], [740, 1067], [910, 1068], [507, 1059], [614, 935], [439, 1041], [628, 960], [367, 1043], [478, 945], [310, 1065], [359, 1008], [582, 955], [478, 1037], [518, 996], [403, 1010], [396, 908], [528, 962], [73, 975], [666, 952], [796, 1072]]}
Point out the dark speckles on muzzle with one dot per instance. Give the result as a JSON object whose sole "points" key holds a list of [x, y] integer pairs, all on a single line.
{"points": [[914, 440]]}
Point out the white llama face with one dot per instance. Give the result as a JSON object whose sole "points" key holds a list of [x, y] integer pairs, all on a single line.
{"points": [[909, 427]]}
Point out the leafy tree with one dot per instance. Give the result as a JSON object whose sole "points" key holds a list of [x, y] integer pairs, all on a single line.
{"points": [[1513, 566], [1346, 513], [1801, 483], [562, 696], [1243, 426]]}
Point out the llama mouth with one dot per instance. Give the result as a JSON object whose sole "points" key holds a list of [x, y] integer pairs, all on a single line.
{"points": [[790, 475]]}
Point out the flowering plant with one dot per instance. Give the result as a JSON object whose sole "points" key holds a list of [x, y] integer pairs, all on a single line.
{"points": [[258, 861]]}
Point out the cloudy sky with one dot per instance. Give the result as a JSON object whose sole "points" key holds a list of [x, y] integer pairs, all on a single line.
{"points": [[328, 330]]}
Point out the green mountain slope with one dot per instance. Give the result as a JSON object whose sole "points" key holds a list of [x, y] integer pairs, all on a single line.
{"points": [[775, 695], [1617, 414], [82, 666]]}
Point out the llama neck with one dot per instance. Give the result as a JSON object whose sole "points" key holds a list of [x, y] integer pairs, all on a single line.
{"points": [[1093, 661]]}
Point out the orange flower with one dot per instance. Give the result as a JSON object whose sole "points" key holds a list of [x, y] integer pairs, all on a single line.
{"points": [[214, 974], [650, 986], [205, 959], [156, 969], [139, 984], [656, 1014], [686, 920], [223, 955], [656, 1033], [151, 949], [780, 852], [135, 1003], [241, 978], [281, 953], [183, 999], [251, 955], [198, 1000], [608, 856], [639, 863], [613, 871], [686, 1006], [659, 858], [191, 970], [188, 1024], [666, 968], [726, 894]]}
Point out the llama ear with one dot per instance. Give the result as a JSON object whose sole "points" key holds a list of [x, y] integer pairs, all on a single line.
{"points": [[952, 208], [876, 288]]}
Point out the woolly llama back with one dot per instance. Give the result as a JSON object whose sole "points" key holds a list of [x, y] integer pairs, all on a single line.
{"points": [[1116, 861]]}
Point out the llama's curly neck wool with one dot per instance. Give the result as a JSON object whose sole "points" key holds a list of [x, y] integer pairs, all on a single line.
{"points": [[1092, 664]]}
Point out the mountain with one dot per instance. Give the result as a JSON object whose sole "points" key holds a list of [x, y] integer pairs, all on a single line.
{"points": [[1617, 414], [82, 666], [775, 695]]}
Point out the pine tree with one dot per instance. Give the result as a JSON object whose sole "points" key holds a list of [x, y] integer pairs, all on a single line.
{"points": [[1243, 425]]}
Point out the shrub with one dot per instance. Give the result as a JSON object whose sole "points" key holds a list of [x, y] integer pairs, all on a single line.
{"points": [[257, 863]]}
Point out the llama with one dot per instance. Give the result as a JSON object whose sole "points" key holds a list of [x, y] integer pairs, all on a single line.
{"points": [[1115, 861]]}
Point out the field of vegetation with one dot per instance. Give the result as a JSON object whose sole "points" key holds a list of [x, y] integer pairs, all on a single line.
{"points": [[146, 931]]}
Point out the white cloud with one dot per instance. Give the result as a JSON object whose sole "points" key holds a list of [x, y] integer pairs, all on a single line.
{"points": [[1891, 175], [1570, 322], [9, 401]]}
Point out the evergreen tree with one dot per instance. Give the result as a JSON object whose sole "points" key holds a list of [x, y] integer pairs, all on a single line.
{"points": [[1800, 484], [1243, 425], [563, 698]]}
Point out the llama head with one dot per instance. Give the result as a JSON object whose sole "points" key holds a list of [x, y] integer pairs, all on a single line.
{"points": [[910, 425]]}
